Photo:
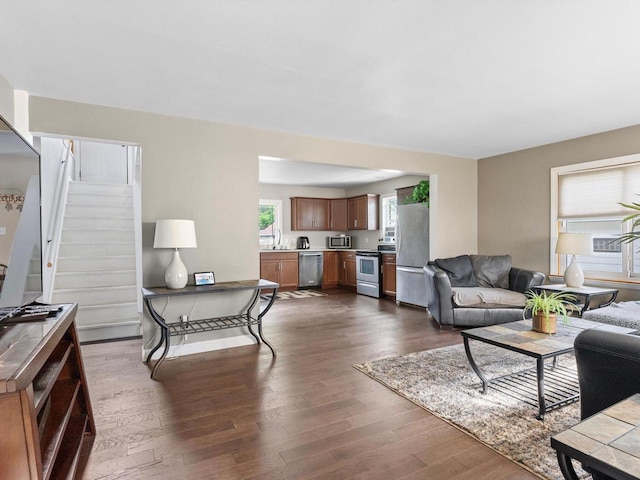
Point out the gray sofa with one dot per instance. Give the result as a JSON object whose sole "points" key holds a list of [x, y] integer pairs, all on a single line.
{"points": [[477, 290]]}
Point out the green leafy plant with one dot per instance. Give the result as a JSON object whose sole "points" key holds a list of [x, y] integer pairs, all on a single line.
{"points": [[420, 193], [634, 234], [544, 303], [266, 216]]}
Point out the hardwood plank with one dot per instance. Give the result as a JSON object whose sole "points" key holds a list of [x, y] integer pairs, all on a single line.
{"points": [[308, 414]]}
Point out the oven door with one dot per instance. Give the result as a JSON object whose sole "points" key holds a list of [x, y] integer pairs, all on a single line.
{"points": [[368, 269]]}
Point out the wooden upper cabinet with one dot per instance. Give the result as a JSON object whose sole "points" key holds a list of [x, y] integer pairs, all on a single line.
{"points": [[335, 214], [362, 212], [309, 213], [338, 214]]}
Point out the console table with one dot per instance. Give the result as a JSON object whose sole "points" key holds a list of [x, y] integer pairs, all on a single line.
{"points": [[607, 442], [242, 319]]}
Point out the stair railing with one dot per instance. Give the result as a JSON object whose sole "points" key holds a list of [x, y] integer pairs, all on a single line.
{"points": [[57, 209]]}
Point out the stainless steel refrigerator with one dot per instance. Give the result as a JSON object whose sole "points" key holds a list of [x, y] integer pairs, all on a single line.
{"points": [[412, 247]]}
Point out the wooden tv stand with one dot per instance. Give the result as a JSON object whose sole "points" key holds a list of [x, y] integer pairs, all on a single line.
{"points": [[45, 411]]}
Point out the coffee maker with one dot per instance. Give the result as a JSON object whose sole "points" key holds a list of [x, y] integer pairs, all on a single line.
{"points": [[303, 243]]}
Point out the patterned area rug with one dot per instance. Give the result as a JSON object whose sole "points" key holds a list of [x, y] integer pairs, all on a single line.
{"points": [[299, 294], [442, 382]]}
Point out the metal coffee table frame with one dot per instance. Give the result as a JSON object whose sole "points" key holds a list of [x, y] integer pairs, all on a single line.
{"points": [[547, 386]]}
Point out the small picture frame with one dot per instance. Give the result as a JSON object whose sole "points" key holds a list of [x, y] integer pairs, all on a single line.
{"points": [[204, 278]]}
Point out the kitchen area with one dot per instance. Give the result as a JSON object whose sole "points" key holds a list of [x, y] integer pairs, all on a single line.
{"points": [[327, 238]]}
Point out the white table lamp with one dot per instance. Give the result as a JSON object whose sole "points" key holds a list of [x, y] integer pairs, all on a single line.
{"points": [[175, 234], [574, 244]]}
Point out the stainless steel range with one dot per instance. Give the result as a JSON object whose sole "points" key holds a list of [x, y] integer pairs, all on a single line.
{"points": [[368, 273]]}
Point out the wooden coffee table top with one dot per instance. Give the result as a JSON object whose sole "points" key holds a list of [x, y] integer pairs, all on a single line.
{"points": [[518, 336]]}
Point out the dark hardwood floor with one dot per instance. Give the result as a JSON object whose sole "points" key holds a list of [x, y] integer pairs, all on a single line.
{"points": [[238, 414]]}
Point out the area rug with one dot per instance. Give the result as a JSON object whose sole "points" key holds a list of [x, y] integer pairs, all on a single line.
{"points": [[442, 382], [296, 294]]}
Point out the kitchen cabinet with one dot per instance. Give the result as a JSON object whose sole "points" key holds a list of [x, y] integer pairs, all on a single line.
{"points": [[362, 212], [330, 273], [280, 267], [389, 274], [45, 411], [309, 213], [347, 272], [338, 214]]}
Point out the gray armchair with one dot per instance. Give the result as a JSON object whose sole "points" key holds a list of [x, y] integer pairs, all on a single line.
{"points": [[477, 290]]}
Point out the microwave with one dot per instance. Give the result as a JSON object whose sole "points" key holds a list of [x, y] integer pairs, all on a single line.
{"points": [[339, 241]]}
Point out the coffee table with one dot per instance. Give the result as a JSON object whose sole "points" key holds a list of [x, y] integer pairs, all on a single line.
{"points": [[608, 441], [546, 386]]}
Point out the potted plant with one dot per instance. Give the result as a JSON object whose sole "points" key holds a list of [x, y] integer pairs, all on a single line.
{"points": [[545, 308], [420, 193], [634, 234]]}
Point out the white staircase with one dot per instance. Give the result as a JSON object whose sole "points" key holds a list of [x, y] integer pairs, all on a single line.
{"points": [[96, 264]]}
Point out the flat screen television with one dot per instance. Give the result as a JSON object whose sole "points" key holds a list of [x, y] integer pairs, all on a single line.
{"points": [[20, 224]]}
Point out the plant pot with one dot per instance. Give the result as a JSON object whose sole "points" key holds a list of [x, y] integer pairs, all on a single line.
{"points": [[543, 325]]}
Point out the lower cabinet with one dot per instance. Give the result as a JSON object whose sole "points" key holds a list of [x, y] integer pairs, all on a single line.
{"points": [[389, 274], [45, 411], [280, 267], [331, 269], [347, 269]]}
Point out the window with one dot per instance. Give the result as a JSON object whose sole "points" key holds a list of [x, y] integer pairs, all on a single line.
{"points": [[269, 222], [586, 199], [389, 212]]}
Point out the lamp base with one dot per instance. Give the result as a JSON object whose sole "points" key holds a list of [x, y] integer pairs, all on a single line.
{"points": [[573, 276], [175, 276]]}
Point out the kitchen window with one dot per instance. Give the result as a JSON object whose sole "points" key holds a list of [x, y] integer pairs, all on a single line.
{"points": [[586, 199], [269, 222], [389, 215]]}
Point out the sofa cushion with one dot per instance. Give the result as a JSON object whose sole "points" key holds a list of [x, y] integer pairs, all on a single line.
{"points": [[487, 297], [491, 270], [459, 270]]}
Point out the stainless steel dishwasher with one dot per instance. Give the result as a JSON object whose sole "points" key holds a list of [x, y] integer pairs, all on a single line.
{"points": [[310, 269]]}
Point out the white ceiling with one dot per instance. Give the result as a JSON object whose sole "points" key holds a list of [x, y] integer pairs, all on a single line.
{"points": [[292, 172], [470, 78]]}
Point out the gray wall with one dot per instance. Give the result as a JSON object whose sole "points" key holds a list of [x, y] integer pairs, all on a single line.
{"points": [[514, 194]]}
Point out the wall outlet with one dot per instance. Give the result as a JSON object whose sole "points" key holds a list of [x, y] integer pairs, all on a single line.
{"points": [[3, 230], [184, 318]]}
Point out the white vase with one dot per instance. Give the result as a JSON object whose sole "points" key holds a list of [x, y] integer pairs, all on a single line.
{"points": [[175, 276], [573, 276]]}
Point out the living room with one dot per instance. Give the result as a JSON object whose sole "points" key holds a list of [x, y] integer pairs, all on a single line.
{"points": [[207, 170]]}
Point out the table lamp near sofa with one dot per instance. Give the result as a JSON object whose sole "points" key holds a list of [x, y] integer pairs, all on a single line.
{"points": [[172, 233], [574, 244]]}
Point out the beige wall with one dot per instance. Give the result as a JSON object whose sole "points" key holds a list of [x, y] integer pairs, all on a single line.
{"points": [[514, 194], [209, 172]]}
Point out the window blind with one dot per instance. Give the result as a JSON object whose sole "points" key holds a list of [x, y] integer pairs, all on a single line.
{"points": [[598, 192]]}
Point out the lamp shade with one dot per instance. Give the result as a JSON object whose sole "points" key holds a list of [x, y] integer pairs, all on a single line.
{"points": [[172, 233], [574, 244]]}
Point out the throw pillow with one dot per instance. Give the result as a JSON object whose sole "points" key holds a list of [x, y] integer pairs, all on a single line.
{"points": [[459, 270], [491, 270]]}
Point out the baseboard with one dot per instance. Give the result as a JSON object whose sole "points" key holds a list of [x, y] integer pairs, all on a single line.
{"points": [[191, 348]]}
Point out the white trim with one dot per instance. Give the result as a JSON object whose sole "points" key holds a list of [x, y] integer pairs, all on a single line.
{"points": [[205, 346], [558, 279]]}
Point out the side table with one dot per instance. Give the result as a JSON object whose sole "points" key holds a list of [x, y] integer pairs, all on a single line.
{"points": [[583, 293], [608, 442], [242, 319]]}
